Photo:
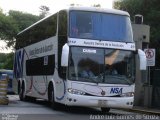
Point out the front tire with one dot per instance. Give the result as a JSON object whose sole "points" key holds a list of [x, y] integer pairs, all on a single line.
{"points": [[22, 92], [105, 109], [51, 97]]}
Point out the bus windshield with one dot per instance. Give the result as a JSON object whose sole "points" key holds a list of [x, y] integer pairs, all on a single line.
{"points": [[101, 66], [100, 26]]}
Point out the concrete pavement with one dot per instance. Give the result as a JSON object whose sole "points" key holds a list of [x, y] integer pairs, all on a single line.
{"points": [[13, 100], [146, 110]]}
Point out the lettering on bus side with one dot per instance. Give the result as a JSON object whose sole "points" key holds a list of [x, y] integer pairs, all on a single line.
{"points": [[116, 90], [40, 50]]}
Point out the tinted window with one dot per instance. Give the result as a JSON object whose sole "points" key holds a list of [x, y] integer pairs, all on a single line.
{"points": [[83, 60], [101, 26], [62, 26], [108, 66], [43, 30], [41, 66]]}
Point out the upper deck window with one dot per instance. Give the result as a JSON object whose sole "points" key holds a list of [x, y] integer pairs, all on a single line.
{"points": [[100, 26]]}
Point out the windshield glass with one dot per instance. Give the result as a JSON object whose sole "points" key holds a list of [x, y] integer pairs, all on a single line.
{"points": [[119, 67], [101, 66], [101, 26]]}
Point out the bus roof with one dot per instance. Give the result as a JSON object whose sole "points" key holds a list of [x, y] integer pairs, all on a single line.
{"points": [[103, 10], [91, 9]]}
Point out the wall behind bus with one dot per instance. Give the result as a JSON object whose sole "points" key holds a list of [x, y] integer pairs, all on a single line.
{"points": [[141, 35]]}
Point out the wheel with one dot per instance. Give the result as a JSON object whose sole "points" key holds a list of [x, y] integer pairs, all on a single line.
{"points": [[51, 97], [105, 110], [22, 92], [30, 99], [19, 87]]}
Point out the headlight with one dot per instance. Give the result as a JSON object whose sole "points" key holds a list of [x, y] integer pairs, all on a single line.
{"points": [[77, 92], [129, 94]]}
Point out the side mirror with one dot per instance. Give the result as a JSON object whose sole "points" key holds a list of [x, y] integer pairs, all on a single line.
{"points": [[65, 55], [143, 59]]}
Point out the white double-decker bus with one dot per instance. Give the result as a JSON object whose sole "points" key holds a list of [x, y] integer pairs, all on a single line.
{"points": [[79, 57]]}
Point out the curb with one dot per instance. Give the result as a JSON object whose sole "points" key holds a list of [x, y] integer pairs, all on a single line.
{"points": [[146, 111], [143, 111]]}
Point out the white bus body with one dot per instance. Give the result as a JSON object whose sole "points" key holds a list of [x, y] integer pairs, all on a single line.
{"points": [[49, 67]]}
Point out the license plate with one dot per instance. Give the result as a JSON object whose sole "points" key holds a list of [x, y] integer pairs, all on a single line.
{"points": [[102, 103]]}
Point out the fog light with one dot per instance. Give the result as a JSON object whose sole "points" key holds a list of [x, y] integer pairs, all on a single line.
{"points": [[70, 99]]}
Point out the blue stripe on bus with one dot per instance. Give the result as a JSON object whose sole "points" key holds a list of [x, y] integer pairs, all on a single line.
{"points": [[60, 98]]}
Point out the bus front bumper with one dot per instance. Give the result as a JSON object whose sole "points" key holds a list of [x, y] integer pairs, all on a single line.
{"points": [[94, 101]]}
